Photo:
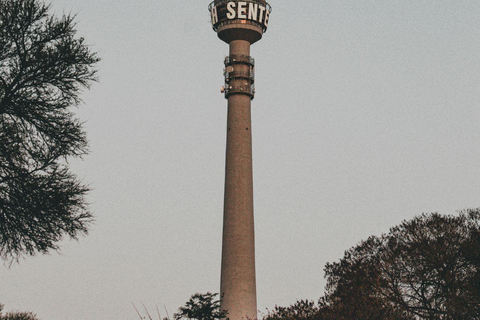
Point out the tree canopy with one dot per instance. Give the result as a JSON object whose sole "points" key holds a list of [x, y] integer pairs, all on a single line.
{"points": [[201, 306], [300, 310], [17, 315], [43, 68], [425, 268]]}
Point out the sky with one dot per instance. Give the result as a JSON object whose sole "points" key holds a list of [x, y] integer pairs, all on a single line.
{"points": [[366, 113]]}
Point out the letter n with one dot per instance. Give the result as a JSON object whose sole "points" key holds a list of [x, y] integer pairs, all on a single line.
{"points": [[253, 11]]}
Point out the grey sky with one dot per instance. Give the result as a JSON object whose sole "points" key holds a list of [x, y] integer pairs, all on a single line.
{"points": [[366, 113]]}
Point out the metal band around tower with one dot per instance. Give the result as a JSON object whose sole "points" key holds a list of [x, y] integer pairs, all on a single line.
{"points": [[245, 77]]}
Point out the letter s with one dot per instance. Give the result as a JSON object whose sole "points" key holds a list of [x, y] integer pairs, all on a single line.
{"points": [[231, 10]]}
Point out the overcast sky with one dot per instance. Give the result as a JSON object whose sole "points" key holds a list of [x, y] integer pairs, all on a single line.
{"points": [[367, 113]]}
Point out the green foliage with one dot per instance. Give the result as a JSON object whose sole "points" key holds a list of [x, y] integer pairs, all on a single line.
{"points": [[43, 68], [425, 268], [201, 307]]}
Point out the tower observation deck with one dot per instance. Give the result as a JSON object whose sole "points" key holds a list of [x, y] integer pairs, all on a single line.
{"points": [[240, 24]]}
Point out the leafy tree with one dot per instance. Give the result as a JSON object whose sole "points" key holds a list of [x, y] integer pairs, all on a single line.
{"points": [[43, 68], [201, 307], [352, 286], [426, 268]]}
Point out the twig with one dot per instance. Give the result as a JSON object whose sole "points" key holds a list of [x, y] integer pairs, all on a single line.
{"points": [[137, 311]]}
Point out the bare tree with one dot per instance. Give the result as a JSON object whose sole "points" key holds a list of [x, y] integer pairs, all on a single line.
{"points": [[43, 68]]}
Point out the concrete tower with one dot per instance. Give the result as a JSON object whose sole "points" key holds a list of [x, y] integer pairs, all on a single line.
{"points": [[240, 24]]}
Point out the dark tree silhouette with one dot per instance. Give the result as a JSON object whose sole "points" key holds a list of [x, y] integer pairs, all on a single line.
{"points": [[352, 286], [300, 310], [17, 315], [201, 307], [426, 268], [43, 68]]}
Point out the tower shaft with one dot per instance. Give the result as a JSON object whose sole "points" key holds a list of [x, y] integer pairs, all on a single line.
{"points": [[240, 24], [237, 287]]}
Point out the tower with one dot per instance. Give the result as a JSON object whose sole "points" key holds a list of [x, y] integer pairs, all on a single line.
{"points": [[240, 24]]}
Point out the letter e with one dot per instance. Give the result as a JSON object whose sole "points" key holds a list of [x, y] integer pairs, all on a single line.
{"points": [[267, 15], [242, 10]]}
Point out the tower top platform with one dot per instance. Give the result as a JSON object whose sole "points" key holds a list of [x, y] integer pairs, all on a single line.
{"points": [[240, 20]]}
